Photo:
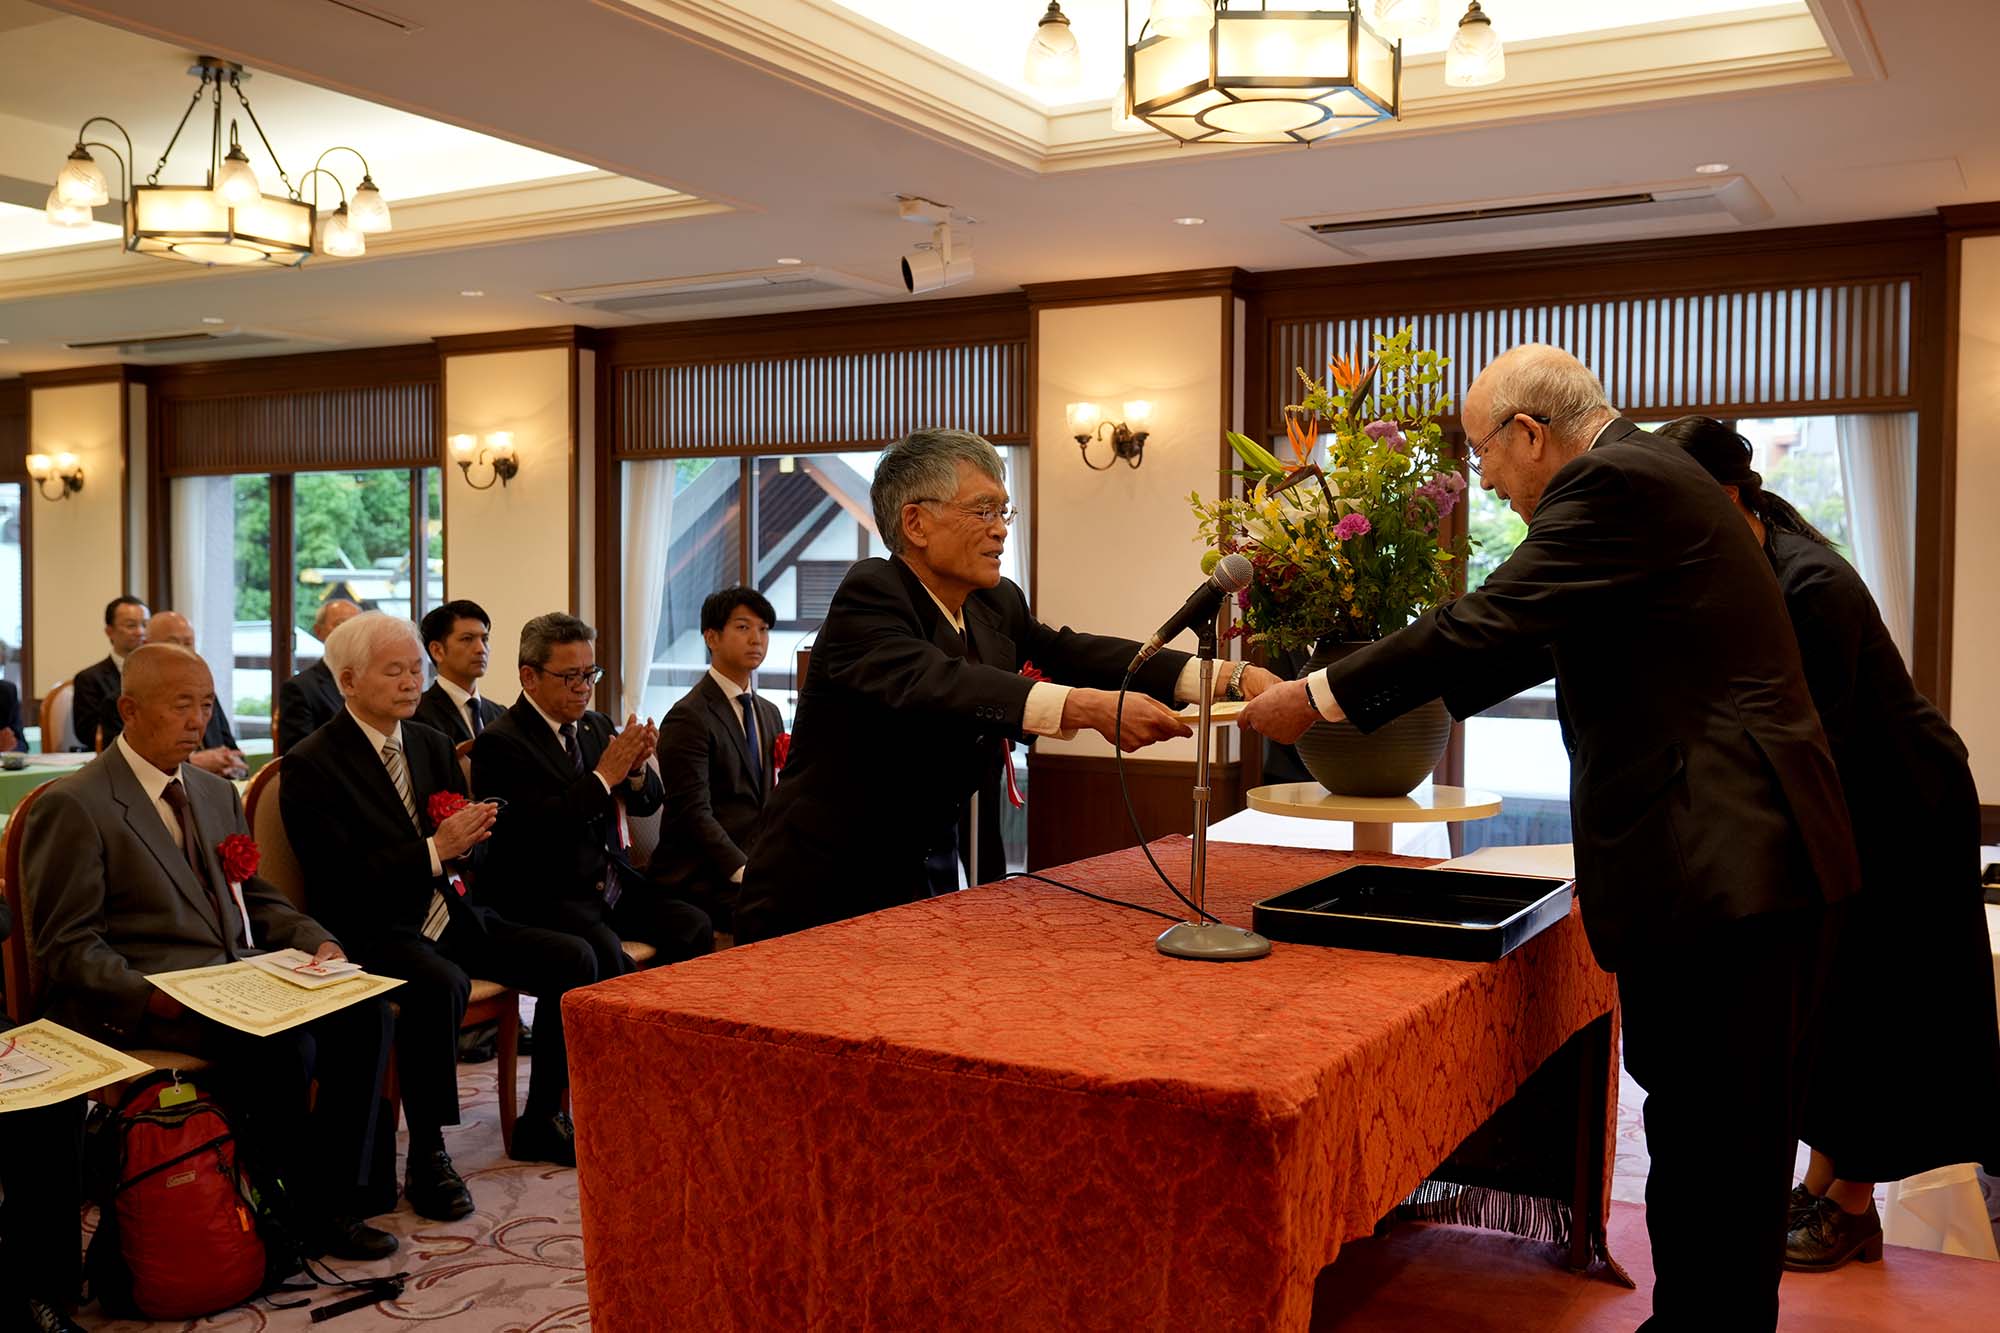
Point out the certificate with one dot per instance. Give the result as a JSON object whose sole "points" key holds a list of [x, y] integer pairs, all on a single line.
{"points": [[244, 996], [42, 1063]]}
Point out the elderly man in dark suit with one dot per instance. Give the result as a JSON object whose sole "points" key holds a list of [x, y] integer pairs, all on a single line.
{"points": [[716, 760], [571, 781], [455, 635], [310, 699], [94, 697], [218, 753], [123, 868], [1711, 835]]}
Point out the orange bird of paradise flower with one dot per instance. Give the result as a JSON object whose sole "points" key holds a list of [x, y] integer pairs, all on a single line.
{"points": [[1345, 374], [1303, 436]]}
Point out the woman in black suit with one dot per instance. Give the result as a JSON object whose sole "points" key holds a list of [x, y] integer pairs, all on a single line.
{"points": [[1907, 1074]]}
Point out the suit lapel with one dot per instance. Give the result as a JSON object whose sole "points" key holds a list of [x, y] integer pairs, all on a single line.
{"points": [[143, 818], [367, 768], [543, 741], [729, 726], [992, 647]]}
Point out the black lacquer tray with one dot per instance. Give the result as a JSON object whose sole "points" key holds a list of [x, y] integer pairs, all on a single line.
{"points": [[1413, 910]]}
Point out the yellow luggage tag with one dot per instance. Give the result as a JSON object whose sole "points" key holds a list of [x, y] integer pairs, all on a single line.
{"points": [[178, 1095]]}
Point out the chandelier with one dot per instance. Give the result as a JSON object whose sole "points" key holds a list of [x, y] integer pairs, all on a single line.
{"points": [[228, 219]]}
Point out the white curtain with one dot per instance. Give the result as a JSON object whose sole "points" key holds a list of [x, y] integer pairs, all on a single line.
{"points": [[648, 533], [204, 566], [1878, 474]]}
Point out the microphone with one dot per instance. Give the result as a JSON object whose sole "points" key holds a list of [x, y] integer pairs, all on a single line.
{"points": [[1232, 574]]}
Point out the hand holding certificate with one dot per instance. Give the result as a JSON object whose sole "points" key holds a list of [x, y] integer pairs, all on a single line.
{"points": [[302, 969], [251, 998]]}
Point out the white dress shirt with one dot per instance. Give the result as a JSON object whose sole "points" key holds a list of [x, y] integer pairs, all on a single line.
{"points": [[155, 784], [730, 690], [376, 740], [462, 701]]}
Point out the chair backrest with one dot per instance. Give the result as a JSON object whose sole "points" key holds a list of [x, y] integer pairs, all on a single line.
{"points": [[58, 722], [277, 863], [645, 829], [24, 973]]}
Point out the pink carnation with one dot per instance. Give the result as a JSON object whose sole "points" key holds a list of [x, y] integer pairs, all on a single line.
{"points": [[1386, 430], [1350, 526]]}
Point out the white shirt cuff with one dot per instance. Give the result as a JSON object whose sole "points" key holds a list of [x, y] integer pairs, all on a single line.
{"points": [[1187, 689], [1322, 695], [437, 866], [1043, 715], [737, 878], [600, 777]]}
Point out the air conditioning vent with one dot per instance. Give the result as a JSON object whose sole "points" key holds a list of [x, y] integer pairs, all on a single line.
{"points": [[790, 288], [1675, 209], [190, 346]]}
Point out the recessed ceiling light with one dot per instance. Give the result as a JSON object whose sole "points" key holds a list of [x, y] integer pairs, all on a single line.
{"points": [[787, 259], [472, 291], [1711, 168], [213, 319], [1189, 222]]}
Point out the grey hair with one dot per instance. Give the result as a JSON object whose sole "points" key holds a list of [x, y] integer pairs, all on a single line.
{"points": [[540, 636], [1540, 380], [923, 465], [361, 638]]}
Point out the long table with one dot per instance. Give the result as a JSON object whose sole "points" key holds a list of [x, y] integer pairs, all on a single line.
{"points": [[15, 784], [1004, 1109]]}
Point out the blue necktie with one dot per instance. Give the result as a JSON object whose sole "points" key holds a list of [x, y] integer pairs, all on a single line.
{"points": [[749, 703]]}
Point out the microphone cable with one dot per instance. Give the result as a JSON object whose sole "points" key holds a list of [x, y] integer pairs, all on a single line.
{"points": [[1098, 897], [1132, 811]]}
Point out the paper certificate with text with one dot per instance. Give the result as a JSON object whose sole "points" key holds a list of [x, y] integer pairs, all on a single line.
{"points": [[244, 996], [43, 1063]]}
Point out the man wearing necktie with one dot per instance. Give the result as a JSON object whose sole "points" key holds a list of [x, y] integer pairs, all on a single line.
{"points": [[716, 759], [455, 636], [571, 783]]}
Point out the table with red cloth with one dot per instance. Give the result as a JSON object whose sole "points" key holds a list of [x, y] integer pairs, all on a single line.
{"points": [[1003, 1109]]}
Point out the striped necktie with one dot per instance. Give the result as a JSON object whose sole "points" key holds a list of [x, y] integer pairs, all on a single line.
{"points": [[399, 773]]}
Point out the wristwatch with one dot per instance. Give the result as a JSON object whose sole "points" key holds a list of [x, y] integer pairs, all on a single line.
{"points": [[1234, 690]]}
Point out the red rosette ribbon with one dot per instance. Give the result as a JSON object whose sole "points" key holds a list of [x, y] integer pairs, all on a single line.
{"points": [[444, 804], [1032, 672], [781, 749], [239, 855]]}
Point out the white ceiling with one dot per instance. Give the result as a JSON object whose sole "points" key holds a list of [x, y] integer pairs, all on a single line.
{"points": [[810, 172]]}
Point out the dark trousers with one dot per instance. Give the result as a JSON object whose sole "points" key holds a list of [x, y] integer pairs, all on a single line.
{"points": [[1716, 1032], [437, 981], [679, 930], [320, 1142], [41, 1177]]}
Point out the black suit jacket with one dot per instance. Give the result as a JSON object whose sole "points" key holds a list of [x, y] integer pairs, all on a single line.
{"points": [[714, 799], [554, 837], [436, 711], [10, 717], [1702, 789], [306, 703], [366, 866], [94, 704], [894, 733], [218, 734]]}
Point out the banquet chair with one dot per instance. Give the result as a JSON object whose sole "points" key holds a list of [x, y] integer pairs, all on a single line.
{"points": [[489, 1002], [58, 718]]}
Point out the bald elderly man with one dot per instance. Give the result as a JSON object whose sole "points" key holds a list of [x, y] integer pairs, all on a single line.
{"points": [[1711, 836], [125, 879], [218, 753]]}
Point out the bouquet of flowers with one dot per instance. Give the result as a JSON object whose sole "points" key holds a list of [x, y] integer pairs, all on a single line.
{"points": [[1354, 548]]}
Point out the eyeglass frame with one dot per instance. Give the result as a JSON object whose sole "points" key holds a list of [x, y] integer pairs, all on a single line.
{"points": [[1006, 514], [575, 679], [1475, 452]]}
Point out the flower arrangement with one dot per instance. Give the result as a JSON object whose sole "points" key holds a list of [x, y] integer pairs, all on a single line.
{"points": [[1352, 549]]}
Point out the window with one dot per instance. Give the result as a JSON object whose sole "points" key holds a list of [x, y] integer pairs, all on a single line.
{"points": [[353, 538], [13, 584]]}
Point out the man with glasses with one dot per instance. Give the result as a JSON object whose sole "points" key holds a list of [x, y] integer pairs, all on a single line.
{"points": [[1712, 841], [571, 782]]}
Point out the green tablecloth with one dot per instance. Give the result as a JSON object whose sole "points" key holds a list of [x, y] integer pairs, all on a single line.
{"points": [[17, 784]]}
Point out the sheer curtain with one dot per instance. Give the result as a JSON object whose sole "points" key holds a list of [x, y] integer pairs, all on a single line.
{"points": [[204, 567], [649, 530], [1878, 474]]}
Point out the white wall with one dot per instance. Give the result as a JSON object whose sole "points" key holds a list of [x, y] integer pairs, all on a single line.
{"points": [[509, 548], [1116, 551], [78, 560], [1975, 622]]}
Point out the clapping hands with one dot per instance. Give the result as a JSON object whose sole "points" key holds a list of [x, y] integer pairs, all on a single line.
{"points": [[628, 750]]}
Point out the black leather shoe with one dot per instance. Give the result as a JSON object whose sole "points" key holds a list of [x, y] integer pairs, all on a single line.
{"points": [[544, 1139], [1798, 1208], [434, 1187], [1831, 1236], [349, 1238], [44, 1317]]}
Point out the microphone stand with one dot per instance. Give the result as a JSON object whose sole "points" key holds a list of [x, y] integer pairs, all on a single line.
{"points": [[1201, 939]]}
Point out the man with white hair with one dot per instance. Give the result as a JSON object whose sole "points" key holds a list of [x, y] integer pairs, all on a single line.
{"points": [[1711, 836], [365, 800]]}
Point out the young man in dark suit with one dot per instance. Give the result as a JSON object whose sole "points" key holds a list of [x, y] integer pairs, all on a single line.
{"points": [[716, 760], [126, 879], [94, 696], [391, 877], [571, 781], [309, 699], [455, 636], [1711, 834]]}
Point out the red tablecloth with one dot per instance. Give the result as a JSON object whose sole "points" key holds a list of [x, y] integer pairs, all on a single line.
{"points": [[1003, 1109]]}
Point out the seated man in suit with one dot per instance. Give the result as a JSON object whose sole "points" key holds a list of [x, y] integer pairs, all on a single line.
{"points": [[123, 870], [218, 753], [13, 735], [570, 781], [385, 873], [455, 636], [309, 699], [94, 702], [716, 760]]}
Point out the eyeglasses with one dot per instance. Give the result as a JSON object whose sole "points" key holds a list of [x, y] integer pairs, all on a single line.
{"points": [[580, 679], [1476, 452], [985, 515]]}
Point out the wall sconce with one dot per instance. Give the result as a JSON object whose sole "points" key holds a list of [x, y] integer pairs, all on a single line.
{"points": [[65, 470], [1087, 422], [496, 456]]}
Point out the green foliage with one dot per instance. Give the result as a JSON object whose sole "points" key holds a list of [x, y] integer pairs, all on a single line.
{"points": [[1496, 530], [341, 519]]}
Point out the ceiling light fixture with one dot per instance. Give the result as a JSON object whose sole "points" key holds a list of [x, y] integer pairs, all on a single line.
{"points": [[1053, 60], [1404, 18], [1711, 168], [1180, 18], [932, 265], [228, 219], [1189, 222], [1267, 75], [1475, 57], [213, 319], [788, 260]]}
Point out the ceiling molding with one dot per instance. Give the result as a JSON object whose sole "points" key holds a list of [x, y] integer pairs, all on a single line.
{"points": [[514, 340], [1971, 217], [406, 363], [1137, 287], [56, 379]]}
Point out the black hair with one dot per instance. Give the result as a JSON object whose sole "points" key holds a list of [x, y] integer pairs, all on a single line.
{"points": [[440, 621], [111, 607], [715, 608], [1725, 455]]}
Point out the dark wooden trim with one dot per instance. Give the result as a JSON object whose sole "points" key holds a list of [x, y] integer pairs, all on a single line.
{"points": [[13, 430], [440, 429], [574, 470], [1034, 390], [56, 379], [420, 567], [609, 536], [1932, 346], [362, 367], [159, 510], [1075, 810], [25, 649], [1971, 217], [1989, 825], [284, 517], [509, 340], [1136, 287], [974, 319], [125, 579]]}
